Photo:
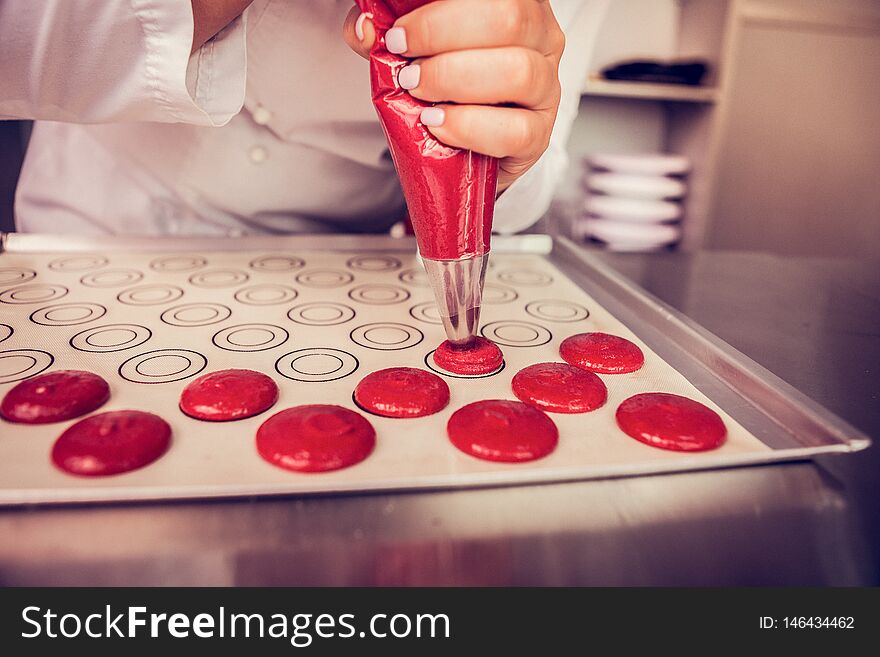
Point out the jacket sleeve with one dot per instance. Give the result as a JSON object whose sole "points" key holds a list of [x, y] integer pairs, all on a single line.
{"points": [[528, 198], [98, 61]]}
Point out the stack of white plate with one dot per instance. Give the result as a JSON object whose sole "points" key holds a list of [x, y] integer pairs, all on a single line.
{"points": [[634, 201]]}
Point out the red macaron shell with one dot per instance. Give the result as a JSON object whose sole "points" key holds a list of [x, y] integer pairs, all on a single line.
{"points": [[315, 438], [228, 395], [602, 353], [559, 388], [111, 443], [671, 422], [402, 392], [502, 430], [54, 397]]}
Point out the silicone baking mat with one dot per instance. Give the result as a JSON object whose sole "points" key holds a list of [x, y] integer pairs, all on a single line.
{"points": [[316, 321]]}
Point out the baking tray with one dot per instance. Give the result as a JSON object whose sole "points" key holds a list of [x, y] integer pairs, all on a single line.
{"points": [[317, 313]]}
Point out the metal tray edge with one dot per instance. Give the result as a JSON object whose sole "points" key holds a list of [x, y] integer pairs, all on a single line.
{"points": [[622, 290], [137, 495]]}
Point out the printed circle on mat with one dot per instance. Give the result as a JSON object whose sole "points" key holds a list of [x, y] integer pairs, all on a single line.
{"points": [[196, 314], [316, 364], [250, 337], [277, 262], [516, 334], [219, 278], [111, 278], [415, 277], [265, 294], [5, 331], [68, 314], [78, 263], [324, 278], [373, 263], [321, 313], [426, 312], [386, 336], [163, 366], [18, 364], [495, 294], [33, 293], [525, 277], [174, 263], [378, 295], [14, 275], [110, 337], [149, 295], [555, 310], [431, 365]]}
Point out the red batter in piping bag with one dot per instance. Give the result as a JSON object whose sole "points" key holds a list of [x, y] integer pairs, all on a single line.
{"points": [[450, 193]]}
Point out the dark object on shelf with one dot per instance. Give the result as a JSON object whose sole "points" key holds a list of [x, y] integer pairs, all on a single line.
{"points": [[13, 140], [690, 72]]}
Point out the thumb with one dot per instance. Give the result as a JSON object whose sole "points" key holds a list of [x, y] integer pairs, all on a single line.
{"points": [[358, 32]]}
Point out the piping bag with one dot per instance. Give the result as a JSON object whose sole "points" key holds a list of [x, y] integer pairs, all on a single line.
{"points": [[449, 192]]}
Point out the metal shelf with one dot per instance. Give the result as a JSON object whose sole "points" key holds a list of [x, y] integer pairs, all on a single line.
{"points": [[677, 93]]}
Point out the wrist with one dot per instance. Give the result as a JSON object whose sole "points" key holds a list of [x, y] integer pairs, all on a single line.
{"points": [[211, 16]]}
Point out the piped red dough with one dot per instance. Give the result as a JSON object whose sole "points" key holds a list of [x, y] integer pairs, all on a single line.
{"points": [[111, 443], [502, 430], [449, 192], [602, 353], [315, 438], [479, 356], [54, 397], [228, 395], [402, 392], [671, 422]]}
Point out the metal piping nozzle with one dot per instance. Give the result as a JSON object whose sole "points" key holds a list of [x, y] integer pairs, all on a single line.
{"points": [[458, 290]]}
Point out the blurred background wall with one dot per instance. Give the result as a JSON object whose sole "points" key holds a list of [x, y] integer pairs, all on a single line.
{"points": [[799, 159], [783, 136]]}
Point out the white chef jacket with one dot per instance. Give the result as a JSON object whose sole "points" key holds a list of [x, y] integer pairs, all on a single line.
{"points": [[268, 128]]}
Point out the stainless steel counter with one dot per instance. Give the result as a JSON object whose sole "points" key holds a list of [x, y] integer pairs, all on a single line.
{"points": [[814, 322]]}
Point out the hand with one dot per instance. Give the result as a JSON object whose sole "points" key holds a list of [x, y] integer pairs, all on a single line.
{"points": [[491, 65]]}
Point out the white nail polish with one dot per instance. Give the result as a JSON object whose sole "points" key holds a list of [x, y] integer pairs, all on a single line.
{"points": [[409, 76], [395, 40], [433, 117], [359, 25]]}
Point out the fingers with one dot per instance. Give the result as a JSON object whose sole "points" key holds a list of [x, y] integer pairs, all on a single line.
{"points": [[520, 135], [439, 27], [358, 32], [491, 76], [493, 64]]}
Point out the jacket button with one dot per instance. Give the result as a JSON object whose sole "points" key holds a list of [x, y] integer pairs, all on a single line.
{"points": [[261, 115], [258, 154]]}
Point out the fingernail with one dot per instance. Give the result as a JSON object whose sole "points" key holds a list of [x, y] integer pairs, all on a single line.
{"points": [[433, 117], [409, 76], [359, 25], [395, 40]]}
